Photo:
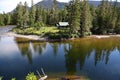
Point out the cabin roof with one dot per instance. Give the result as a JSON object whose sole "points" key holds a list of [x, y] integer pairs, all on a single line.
{"points": [[63, 23]]}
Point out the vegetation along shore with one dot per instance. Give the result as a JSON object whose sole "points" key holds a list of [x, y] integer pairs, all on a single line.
{"points": [[83, 20]]}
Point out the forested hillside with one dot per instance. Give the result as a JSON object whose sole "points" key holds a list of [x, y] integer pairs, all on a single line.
{"points": [[84, 19]]}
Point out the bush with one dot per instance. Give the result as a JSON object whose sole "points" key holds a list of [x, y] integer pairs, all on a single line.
{"points": [[54, 36], [13, 79], [31, 76], [66, 36], [0, 78], [38, 25]]}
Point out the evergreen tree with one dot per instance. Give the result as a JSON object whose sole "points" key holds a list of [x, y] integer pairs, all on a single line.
{"points": [[86, 21], [102, 19], [39, 18], [114, 17], [95, 26], [117, 28], [44, 15], [74, 16], [48, 16], [32, 14], [25, 14], [7, 19], [109, 17], [63, 15], [14, 18], [19, 15], [1, 20], [54, 14]]}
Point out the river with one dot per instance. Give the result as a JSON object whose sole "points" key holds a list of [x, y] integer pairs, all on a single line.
{"points": [[4, 29], [95, 59]]}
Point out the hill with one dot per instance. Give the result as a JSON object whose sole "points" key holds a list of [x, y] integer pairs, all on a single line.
{"points": [[49, 3]]}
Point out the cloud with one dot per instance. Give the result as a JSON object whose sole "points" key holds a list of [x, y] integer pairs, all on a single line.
{"points": [[9, 5]]}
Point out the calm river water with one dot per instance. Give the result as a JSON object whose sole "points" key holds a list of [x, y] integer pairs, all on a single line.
{"points": [[96, 59]]}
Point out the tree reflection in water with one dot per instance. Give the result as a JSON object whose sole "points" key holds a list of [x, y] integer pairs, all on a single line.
{"points": [[80, 50], [76, 53], [28, 48]]}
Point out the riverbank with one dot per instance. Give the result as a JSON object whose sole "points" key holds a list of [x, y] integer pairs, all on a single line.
{"points": [[103, 36], [39, 38]]}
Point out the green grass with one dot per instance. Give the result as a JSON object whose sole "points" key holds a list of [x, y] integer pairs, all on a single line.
{"points": [[36, 31], [51, 32]]}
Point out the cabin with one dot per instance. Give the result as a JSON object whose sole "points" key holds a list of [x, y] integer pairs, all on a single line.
{"points": [[62, 24]]}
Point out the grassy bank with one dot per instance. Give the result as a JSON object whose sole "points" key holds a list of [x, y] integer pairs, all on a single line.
{"points": [[50, 32]]}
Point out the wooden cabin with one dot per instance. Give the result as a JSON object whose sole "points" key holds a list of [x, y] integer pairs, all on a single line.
{"points": [[62, 24]]}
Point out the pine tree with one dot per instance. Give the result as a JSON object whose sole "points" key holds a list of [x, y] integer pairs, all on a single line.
{"points": [[39, 17], [102, 19], [63, 15], [74, 16], [14, 18], [25, 14], [7, 19], [39, 14], [1, 20], [94, 19], [114, 17], [53, 14], [44, 16], [117, 27], [19, 15], [86, 23], [32, 15]]}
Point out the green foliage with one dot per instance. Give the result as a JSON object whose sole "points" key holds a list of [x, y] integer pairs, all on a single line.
{"points": [[83, 19], [1, 20], [32, 15], [31, 76], [74, 16], [13, 79], [7, 19], [86, 21], [19, 14], [25, 14], [1, 78]]}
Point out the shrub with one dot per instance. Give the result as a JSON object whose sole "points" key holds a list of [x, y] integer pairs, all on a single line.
{"points": [[1, 78], [31, 76], [13, 79], [54, 36]]}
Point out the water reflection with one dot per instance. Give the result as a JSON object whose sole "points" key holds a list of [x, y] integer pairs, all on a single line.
{"points": [[80, 51], [97, 59], [55, 47], [29, 49]]}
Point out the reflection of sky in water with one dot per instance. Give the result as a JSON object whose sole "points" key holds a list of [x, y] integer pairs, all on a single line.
{"points": [[8, 48], [101, 71], [86, 59]]}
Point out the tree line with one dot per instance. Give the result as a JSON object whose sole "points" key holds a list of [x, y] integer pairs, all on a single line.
{"points": [[84, 19]]}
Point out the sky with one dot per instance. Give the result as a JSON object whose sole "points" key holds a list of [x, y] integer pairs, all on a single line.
{"points": [[9, 5]]}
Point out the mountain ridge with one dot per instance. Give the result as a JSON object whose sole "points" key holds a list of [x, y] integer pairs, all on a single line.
{"points": [[47, 4]]}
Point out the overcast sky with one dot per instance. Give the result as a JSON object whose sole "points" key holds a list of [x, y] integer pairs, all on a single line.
{"points": [[9, 5]]}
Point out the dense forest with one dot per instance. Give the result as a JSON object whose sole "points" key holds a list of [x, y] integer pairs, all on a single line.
{"points": [[84, 19]]}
